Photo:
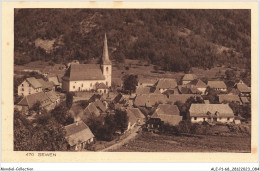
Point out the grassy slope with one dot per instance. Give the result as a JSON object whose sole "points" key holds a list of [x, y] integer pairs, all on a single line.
{"points": [[148, 142]]}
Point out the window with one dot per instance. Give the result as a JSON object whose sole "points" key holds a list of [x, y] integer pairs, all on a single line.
{"points": [[107, 69], [105, 91], [81, 85], [22, 89], [106, 83], [73, 86], [204, 119], [220, 118], [195, 118], [22, 85], [228, 119]]}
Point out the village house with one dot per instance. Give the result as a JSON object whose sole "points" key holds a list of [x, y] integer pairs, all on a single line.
{"points": [[46, 85], [78, 136], [244, 90], [182, 98], [102, 88], [83, 77], [138, 114], [211, 113], [149, 100], [165, 84], [218, 85], [197, 85], [132, 120], [56, 82], [47, 101], [187, 78], [29, 86], [167, 114], [228, 98], [142, 90], [147, 82]]}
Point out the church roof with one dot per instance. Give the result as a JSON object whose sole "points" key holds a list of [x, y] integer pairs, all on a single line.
{"points": [[78, 72], [105, 57]]}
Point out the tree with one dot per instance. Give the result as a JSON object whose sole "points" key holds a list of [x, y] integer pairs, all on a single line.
{"points": [[130, 82], [36, 107], [61, 115], [121, 120], [69, 99]]}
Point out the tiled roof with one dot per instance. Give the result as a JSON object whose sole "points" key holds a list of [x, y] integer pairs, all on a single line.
{"points": [[149, 100], [101, 86], [150, 81], [189, 77], [100, 105], [228, 98], [142, 90], [31, 99], [167, 109], [91, 109], [77, 72], [138, 114], [198, 83], [52, 96], [46, 84], [243, 88], [54, 80], [204, 110], [78, 133], [181, 97], [244, 100], [217, 84], [131, 116], [34, 82], [166, 83]]}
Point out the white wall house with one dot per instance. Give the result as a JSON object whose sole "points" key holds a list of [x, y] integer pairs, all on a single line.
{"points": [[85, 77], [29, 86], [211, 113], [218, 85]]}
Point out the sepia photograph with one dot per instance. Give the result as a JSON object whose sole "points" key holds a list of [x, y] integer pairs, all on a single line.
{"points": [[132, 80]]}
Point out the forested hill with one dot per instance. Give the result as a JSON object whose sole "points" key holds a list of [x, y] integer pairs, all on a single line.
{"points": [[173, 39]]}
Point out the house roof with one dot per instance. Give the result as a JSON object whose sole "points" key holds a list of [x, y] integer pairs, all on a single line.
{"points": [[198, 83], [31, 99], [54, 79], [78, 133], [46, 84], [189, 77], [228, 98], [244, 100], [194, 90], [181, 97], [34, 82], [101, 86], [166, 83], [138, 114], [243, 88], [142, 90], [91, 109], [52, 96], [77, 72], [167, 109], [100, 105], [149, 81], [149, 100], [217, 84], [131, 116], [204, 110]]}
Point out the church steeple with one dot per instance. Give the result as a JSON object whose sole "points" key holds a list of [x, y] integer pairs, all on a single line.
{"points": [[105, 57]]}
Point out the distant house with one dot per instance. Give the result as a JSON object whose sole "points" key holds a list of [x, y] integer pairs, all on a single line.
{"points": [[187, 78], [227, 98], [138, 114], [168, 114], [29, 86], [91, 109], [218, 85], [211, 113], [102, 88], [147, 82], [244, 90], [165, 84], [245, 100], [197, 84], [46, 85], [182, 97], [55, 81], [47, 100], [132, 120], [99, 105], [78, 136], [142, 90], [149, 100]]}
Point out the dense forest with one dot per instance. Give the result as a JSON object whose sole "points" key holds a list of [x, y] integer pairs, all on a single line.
{"points": [[173, 39]]}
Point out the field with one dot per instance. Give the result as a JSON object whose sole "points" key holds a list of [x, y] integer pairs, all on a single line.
{"points": [[149, 142]]}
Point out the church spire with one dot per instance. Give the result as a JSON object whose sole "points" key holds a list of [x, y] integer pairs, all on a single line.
{"points": [[105, 57]]}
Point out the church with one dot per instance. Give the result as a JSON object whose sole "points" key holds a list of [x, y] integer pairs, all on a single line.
{"points": [[86, 77]]}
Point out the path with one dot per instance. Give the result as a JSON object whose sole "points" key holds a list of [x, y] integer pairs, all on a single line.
{"points": [[122, 142]]}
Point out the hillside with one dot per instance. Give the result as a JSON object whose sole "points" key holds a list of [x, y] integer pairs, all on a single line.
{"points": [[176, 40]]}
